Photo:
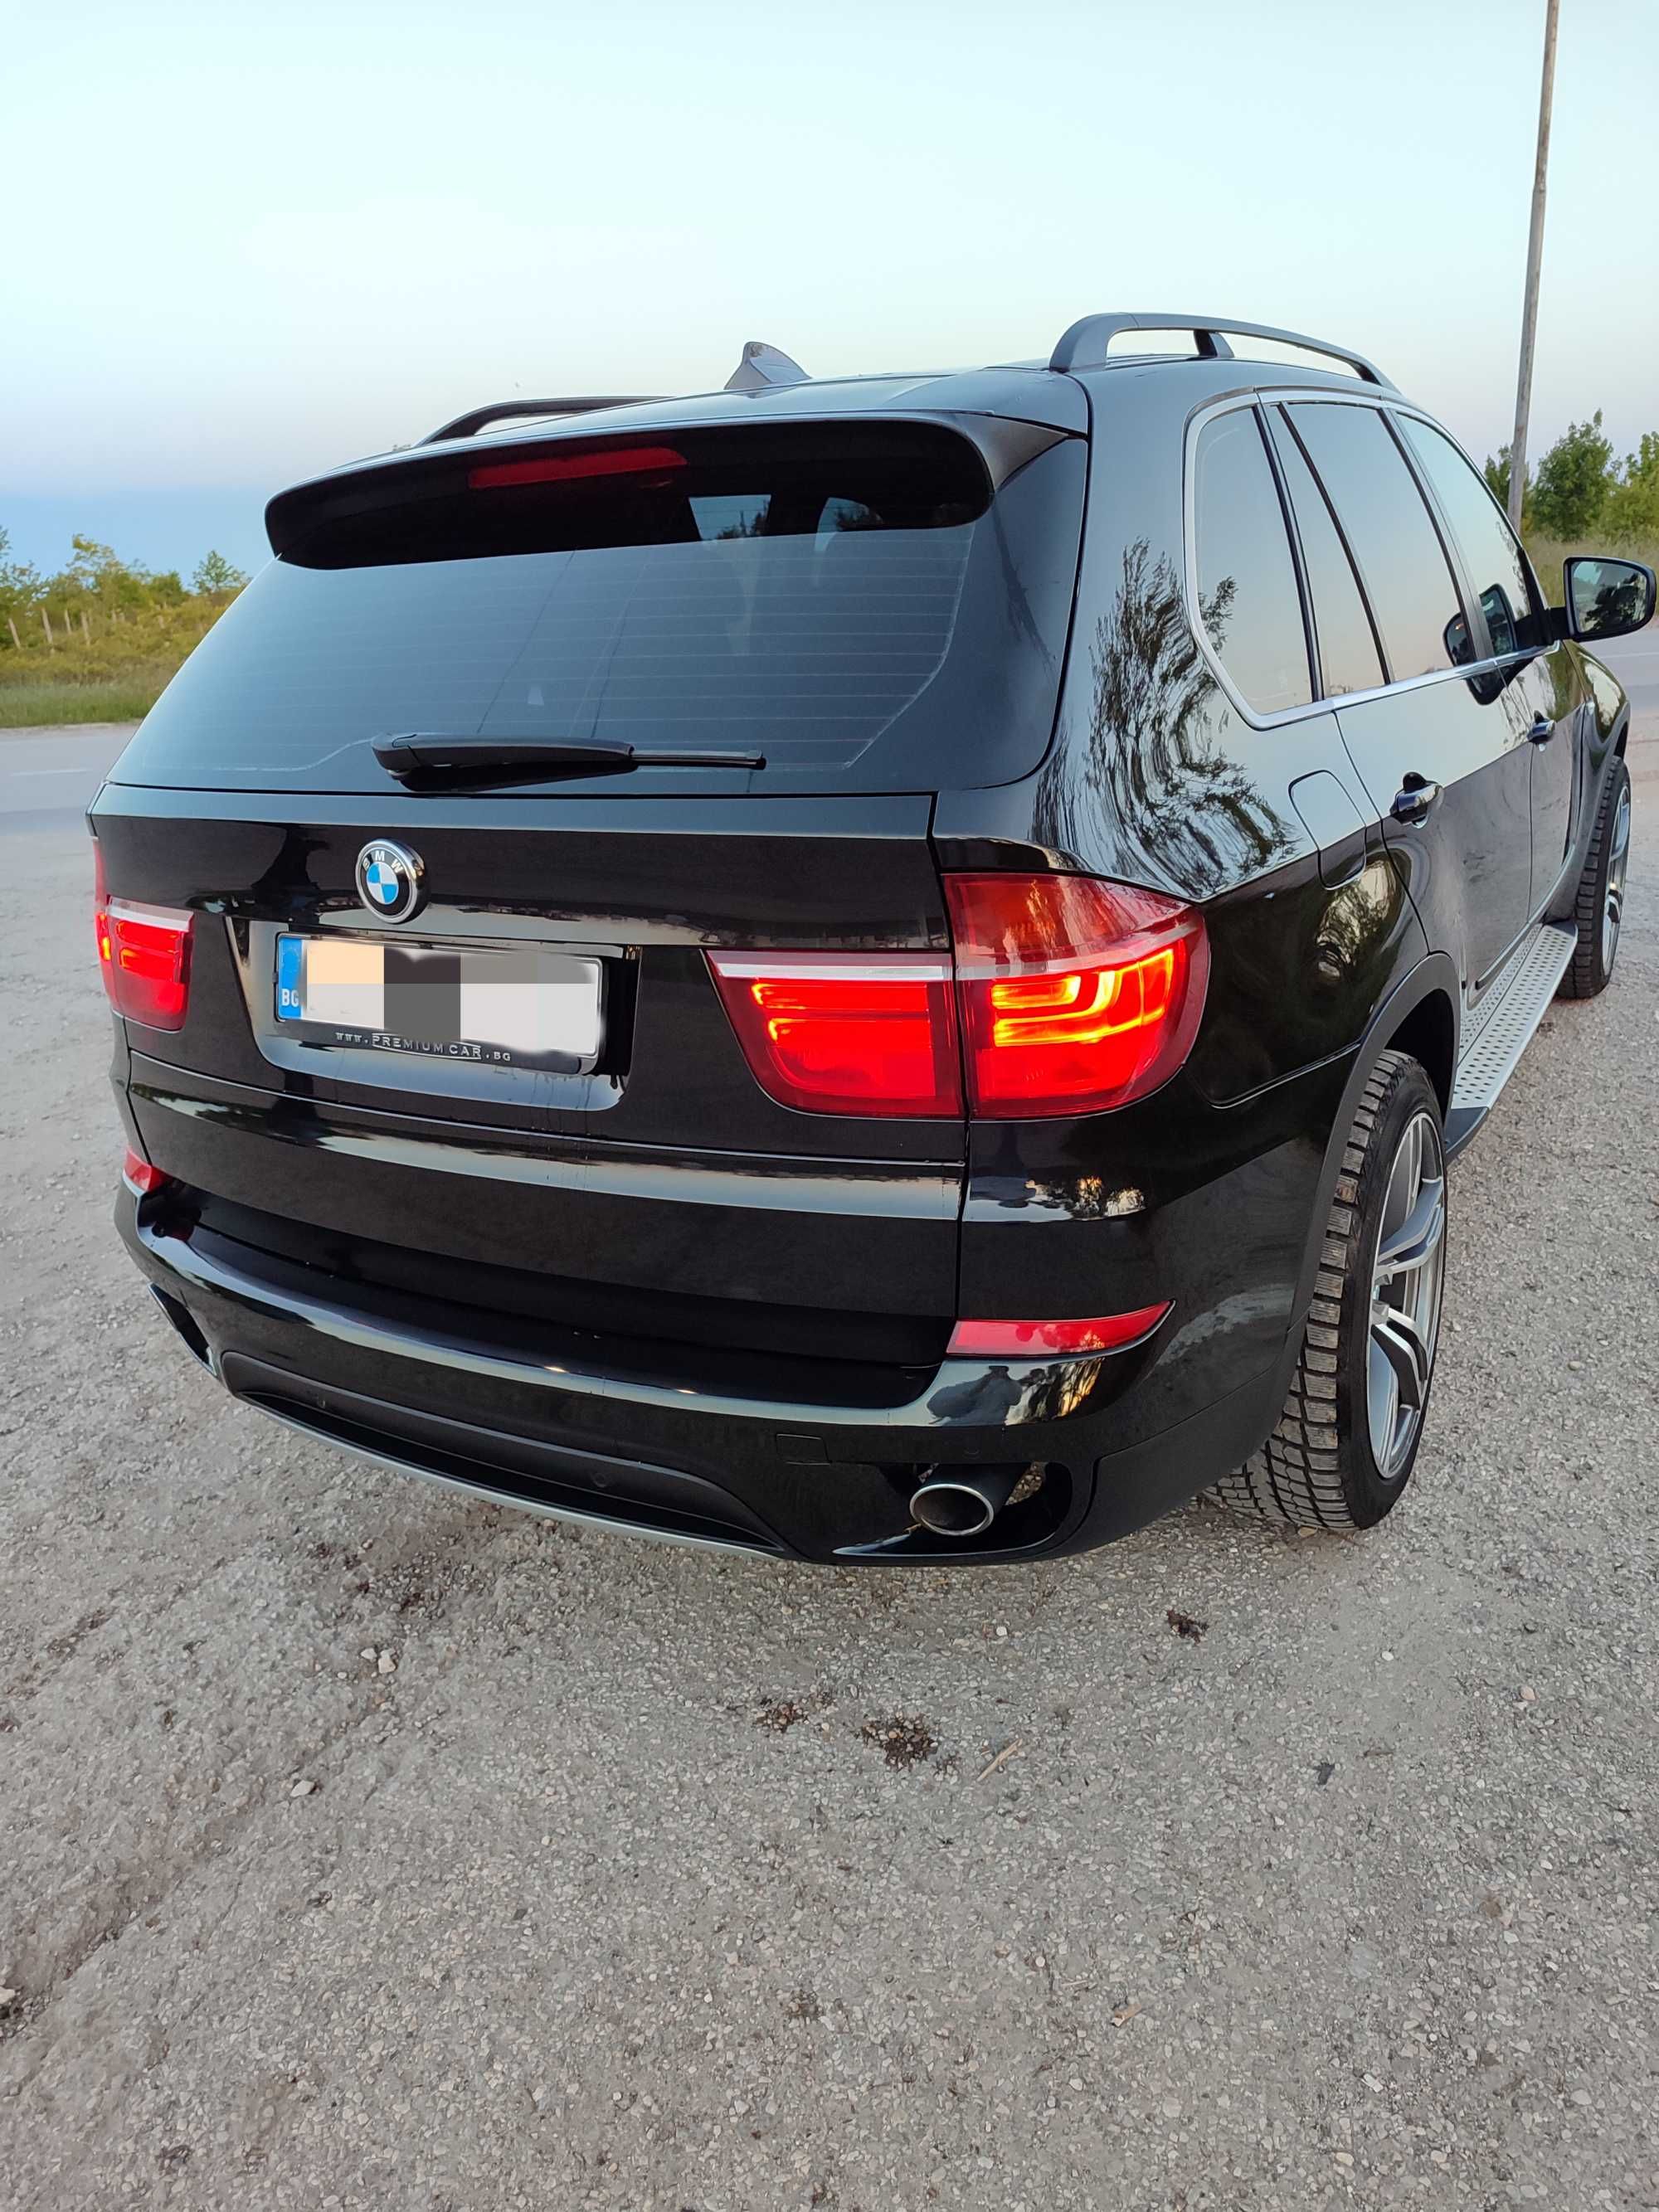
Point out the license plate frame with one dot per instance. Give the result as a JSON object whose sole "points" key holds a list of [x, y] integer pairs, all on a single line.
{"points": [[530, 1004]]}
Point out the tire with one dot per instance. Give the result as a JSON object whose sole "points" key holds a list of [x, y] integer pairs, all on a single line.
{"points": [[1337, 1459], [1599, 907]]}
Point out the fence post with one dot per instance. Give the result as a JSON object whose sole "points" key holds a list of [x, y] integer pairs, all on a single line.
{"points": [[16, 640], [46, 624]]}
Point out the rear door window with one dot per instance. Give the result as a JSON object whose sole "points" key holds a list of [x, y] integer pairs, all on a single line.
{"points": [[1401, 562], [1497, 567], [1348, 656], [1247, 590]]}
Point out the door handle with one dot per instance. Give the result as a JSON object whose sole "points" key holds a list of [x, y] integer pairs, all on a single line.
{"points": [[1413, 801], [1542, 731]]}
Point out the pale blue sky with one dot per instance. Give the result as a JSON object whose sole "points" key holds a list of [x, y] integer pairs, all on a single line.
{"points": [[249, 242]]}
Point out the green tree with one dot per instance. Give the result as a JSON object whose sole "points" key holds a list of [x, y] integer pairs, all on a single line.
{"points": [[218, 577], [97, 574], [1632, 513], [1573, 480]]}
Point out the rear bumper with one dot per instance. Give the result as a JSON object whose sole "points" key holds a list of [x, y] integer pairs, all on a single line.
{"points": [[421, 1387]]}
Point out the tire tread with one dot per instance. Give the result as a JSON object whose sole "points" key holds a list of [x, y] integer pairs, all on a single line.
{"points": [[1295, 1477], [1585, 976]]}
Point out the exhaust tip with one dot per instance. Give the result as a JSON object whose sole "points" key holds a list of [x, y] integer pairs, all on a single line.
{"points": [[963, 1501], [953, 1509]]}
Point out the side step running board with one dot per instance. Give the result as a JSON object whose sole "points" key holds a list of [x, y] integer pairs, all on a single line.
{"points": [[1506, 1030]]}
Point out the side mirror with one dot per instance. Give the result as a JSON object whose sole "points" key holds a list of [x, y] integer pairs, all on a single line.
{"points": [[1607, 598]]}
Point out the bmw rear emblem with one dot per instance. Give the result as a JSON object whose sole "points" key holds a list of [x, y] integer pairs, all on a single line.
{"points": [[389, 880]]}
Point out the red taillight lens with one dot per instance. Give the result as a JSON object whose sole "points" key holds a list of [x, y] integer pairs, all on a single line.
{"points": [[143, 954], [139, 1176], [1076, 994], [1036, 1340], [571, 468], [1071, 995], [846, 1033]]}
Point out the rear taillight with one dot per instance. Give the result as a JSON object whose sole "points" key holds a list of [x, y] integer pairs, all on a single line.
{"points": [[1075, 994], [1065, 995], [846, 1033], [143, 954]]}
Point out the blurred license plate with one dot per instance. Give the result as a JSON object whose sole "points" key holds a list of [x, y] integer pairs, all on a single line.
{"points": [[504, 1007]]}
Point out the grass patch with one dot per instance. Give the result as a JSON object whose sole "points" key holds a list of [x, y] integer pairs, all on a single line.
{"points": [[37, 702], [101, 665], [1549, 554]]}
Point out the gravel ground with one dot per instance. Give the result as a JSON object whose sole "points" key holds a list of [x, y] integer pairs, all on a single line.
{"points": [[361, 1848]]}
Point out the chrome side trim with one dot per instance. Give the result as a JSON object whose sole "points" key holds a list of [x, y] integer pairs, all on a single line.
{"points": [[175, 918], [843, 967], [1334, 701], [766, 1182]]}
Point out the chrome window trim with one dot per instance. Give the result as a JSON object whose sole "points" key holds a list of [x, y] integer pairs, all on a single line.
{"points": [[1260, 398], [1540, 608]]}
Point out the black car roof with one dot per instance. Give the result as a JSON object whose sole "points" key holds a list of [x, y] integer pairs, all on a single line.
{"points": [[768, 382], [1025, 390], [1057, 393]]}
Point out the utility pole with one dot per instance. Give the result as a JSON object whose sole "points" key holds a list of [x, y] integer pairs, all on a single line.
{"points": [[1534, 256]]}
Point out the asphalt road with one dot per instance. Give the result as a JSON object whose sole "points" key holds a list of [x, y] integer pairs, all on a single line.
{"points": [[48, 778], [359, 1847]]}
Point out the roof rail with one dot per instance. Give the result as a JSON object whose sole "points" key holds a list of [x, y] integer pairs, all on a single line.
{"points": [[1086, 343], [505, 410]]}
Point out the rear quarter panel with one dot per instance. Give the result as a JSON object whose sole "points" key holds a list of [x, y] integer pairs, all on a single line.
{"points": [[1211, 1191]]}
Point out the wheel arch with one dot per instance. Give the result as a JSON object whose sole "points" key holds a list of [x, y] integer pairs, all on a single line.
{"points": [[1428, 1032]]}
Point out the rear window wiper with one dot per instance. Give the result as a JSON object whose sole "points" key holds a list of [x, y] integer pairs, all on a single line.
{"points": [[417, 758]]}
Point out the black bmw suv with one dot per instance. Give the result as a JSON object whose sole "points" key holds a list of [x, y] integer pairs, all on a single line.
{"points": [[881, 969]]}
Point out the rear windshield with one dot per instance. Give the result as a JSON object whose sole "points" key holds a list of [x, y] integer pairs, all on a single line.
{"points": [[859, 603]]}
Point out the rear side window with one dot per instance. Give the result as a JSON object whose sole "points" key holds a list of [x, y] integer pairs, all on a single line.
{"points": [[1348, 657], [1248, 597], [816, 593], [1496, 565], [1401, 561]]}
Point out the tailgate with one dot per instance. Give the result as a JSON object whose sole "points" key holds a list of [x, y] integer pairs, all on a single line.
{"points": [[663, 1169]]}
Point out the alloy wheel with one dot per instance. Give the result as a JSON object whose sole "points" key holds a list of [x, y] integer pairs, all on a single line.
{"points": [[1406, 1280], [1613, 911]]}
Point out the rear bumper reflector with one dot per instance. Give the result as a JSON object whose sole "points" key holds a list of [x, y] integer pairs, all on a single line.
{"points": [[139, 1176], [1042, 1339]]}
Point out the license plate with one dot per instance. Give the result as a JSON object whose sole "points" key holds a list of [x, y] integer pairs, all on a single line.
{"points": [[513, 1007]]}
